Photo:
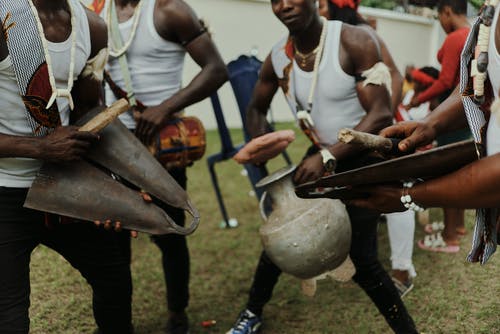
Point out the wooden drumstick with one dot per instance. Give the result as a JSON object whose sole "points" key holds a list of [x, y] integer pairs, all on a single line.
{"points": [[105, 117], [368, 141]]}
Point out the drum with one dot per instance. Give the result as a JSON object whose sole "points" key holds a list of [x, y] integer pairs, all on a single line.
{"points": [[181, 142]]}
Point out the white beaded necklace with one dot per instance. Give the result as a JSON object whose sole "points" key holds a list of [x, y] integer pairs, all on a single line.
{"points": [[479, 66], [137, 13], [55, 91]]}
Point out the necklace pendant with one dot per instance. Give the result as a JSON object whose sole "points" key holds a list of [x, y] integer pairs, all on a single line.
{"points": [[51, 100], [61, 93]]}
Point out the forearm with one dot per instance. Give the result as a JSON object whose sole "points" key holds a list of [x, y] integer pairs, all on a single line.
{"points": [[373, 122], [474, 186], [449, 115], [20, 147], [256, 122], [205, 83]]}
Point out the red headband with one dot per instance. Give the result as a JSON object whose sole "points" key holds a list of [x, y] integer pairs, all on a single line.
{"points": [[421, 77], [346, 3]]}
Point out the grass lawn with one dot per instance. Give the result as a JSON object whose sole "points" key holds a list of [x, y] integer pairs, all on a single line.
{"points": [[450, 295]]}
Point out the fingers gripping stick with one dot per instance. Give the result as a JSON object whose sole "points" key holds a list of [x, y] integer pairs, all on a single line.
{"points": [[369, 141]]}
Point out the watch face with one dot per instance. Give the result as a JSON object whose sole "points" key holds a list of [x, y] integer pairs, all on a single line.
{"points": [[329, 165]]}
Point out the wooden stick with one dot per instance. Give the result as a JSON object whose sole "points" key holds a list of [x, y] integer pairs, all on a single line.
{"points": [[366, 140], [105, 117]]}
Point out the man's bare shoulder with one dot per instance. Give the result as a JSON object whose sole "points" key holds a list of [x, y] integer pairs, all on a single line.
{"points": [[175, 9], [176, 20], [358, 39], [361, 46], [98, 32]]}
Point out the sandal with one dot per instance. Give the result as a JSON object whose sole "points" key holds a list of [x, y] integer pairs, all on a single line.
{"points": [[433, 227], [435, 243], [461, 231], [402, 287]]}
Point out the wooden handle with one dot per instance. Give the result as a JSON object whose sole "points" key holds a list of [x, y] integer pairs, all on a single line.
{"points": [[107, 116], [366, 140]]}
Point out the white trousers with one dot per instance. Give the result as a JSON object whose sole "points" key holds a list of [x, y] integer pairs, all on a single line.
{"points": [[401, 228]]}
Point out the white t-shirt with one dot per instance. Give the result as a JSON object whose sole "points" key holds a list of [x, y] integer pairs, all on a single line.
{"points": [[335, 102], [20, 172], [493, 133], [155, 64]]}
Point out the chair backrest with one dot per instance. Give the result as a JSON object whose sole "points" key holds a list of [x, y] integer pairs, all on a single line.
{"points": [[243, 75], [225, 137]]}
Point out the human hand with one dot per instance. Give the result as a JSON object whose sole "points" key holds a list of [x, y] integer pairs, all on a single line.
{"points": [[149, 123], [383, 198], [260, 149], [414, 134], [310, 169], [117, 226], [66, 143], [108, 224]]}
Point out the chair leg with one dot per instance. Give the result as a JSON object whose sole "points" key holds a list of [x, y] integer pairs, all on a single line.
{"points": [[215, 183]]}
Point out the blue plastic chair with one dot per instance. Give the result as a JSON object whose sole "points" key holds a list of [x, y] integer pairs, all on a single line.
{"points": [[243, 75]]}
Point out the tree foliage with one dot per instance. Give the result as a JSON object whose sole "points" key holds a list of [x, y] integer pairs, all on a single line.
{"points": [[391, 4]]}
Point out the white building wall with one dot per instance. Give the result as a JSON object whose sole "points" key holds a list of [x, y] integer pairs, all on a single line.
{"points": [[242, 25]]}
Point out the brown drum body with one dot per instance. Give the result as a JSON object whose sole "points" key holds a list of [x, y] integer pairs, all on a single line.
{"points": [[181, 142]]}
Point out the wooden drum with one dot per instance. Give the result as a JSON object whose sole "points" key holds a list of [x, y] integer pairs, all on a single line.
{"points": [[181, 142]]}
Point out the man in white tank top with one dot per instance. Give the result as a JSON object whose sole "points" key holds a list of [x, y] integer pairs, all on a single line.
{"points": [[346, 95], [71, 34], [473, 186], [156, 34]]}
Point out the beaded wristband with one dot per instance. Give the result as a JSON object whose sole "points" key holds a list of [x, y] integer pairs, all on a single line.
{"points": [[406, 198]]}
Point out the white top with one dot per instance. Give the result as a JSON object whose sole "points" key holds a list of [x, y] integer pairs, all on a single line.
{"points": [[493, 133], [335, 103], [20, 172], [155, 64], [494, 56]]}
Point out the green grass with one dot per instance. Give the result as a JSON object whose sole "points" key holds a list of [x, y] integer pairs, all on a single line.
{"points": [[450, 296]]}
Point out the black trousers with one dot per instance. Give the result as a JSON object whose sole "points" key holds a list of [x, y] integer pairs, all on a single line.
{"points": [[175, 253], [370, 275], [94, 252]]}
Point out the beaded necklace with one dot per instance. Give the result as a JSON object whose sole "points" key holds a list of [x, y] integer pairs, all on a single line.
{"points": [[480, 62], [55, 91], [304, 118], [112, 11], [305, 56]]}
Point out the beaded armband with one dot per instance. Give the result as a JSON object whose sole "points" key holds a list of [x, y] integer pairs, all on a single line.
{"points": [[407, 200]]}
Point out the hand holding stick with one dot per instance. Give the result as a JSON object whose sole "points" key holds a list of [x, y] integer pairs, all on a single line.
{"points": [[386, 146]]}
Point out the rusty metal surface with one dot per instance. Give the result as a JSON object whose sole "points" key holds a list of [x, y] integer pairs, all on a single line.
{"points": [[122, 153], [422, 165], [304, 238], [80, 190]]}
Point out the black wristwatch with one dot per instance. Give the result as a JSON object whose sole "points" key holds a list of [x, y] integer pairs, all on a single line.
{"points": [[329, 161]]}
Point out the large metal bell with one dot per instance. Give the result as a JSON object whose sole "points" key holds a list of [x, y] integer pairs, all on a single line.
{"points": [[86, 190]]}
